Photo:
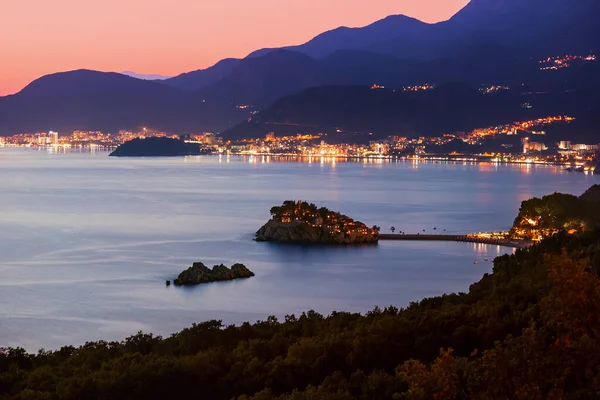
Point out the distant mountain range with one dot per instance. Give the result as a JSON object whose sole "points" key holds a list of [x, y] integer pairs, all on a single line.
{"points": [[92, 100], [538, 27], [488, 42], [146, 77]]}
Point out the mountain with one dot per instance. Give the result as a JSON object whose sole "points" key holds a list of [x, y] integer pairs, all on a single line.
{"points": [[541, 27], [146, 77], [91, 100], [261, 80], [344, 38], [475, 65], [487, 42], [196, 80], [360, 114]]}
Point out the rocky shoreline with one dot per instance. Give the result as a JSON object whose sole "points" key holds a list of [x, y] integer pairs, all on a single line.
{"points": [[303, 223], [199, 273]]}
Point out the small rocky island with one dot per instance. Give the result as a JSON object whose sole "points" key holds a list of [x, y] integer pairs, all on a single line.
{"points": [[199, 273], [304, 223], [157, 147]]}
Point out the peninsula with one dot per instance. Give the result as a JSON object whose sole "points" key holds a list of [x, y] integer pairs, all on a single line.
{"points": [[304, 223], [199, 273], [540, 218], [157, 147]]}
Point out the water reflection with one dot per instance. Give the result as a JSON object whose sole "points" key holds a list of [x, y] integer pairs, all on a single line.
{"points": [[89, 240]]}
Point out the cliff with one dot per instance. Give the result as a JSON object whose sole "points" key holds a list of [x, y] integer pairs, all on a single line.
{"points": [[303, 223], [199, 273]]}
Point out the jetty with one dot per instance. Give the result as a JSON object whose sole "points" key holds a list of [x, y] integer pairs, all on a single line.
{"points": [[506, 242]]}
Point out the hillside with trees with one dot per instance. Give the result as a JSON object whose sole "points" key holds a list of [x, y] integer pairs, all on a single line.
{"points": [[528, 330], [544, 217]]}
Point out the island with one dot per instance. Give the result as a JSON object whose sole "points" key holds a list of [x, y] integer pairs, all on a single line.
{"points": [[304, 223], [199, 273], [158, 147]]}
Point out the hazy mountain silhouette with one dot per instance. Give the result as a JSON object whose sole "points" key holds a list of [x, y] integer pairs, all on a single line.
{"points": [[539, 26], [489, 41], [262, 80], [85, 99], [202, 78], [146, 77], [344, 38]]}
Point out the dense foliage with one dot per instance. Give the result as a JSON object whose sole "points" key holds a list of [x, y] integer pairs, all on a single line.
{"points": [[307, 211], [528, 331], [543, 217]]}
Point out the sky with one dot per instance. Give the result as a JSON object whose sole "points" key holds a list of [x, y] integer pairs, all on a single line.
{"points": [[168, 37]]}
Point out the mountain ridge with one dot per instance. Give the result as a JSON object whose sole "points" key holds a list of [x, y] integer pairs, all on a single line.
{"points": [[485, 42], [360, 114], [346, 38], [93, 100], [199, 79]]}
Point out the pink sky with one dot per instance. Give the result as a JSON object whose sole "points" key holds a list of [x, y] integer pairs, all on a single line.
{"points": [[168, 37]]}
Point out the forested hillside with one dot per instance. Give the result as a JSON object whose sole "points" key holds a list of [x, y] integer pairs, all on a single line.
{"points": [[529, 330]]}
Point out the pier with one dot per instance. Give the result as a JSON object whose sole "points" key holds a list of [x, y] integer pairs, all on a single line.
{"points": [[519, 244]]}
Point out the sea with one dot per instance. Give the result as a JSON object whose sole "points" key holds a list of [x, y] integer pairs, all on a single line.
{"points": [[87, 241]]}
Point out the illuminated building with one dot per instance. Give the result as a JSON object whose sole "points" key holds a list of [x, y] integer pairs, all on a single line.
{"points": [[52, 137], [564, 144]]}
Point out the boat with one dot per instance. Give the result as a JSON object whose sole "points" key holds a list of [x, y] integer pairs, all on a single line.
{"points": [[476, 262]]}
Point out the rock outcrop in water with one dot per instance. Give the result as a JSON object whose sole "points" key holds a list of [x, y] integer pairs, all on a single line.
{"points": [[304, 223], [199, 273]]}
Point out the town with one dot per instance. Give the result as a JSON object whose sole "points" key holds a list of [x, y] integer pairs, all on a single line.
{"points": [[520, 142], [560, 62]]}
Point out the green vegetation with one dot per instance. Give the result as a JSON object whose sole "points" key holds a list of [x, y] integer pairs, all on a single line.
{"points": [[539, 218], [527, 331]]}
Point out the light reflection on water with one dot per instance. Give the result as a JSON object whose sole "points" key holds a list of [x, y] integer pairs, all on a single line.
{"points": [[87, 241]]}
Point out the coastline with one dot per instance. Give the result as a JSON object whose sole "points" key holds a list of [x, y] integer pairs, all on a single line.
{"points": [[432, 158], [472, 159], [469, 238]]}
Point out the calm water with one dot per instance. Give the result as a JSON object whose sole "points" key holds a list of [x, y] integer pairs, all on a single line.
{"points": [[87, 241]]}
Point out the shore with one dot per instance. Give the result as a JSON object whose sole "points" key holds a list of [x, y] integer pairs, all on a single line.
{"points": [[426, 158], [474, 159], [519, 244]]}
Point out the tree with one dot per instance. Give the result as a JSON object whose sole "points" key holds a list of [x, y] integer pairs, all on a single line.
{"points": [[275, 211]]}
